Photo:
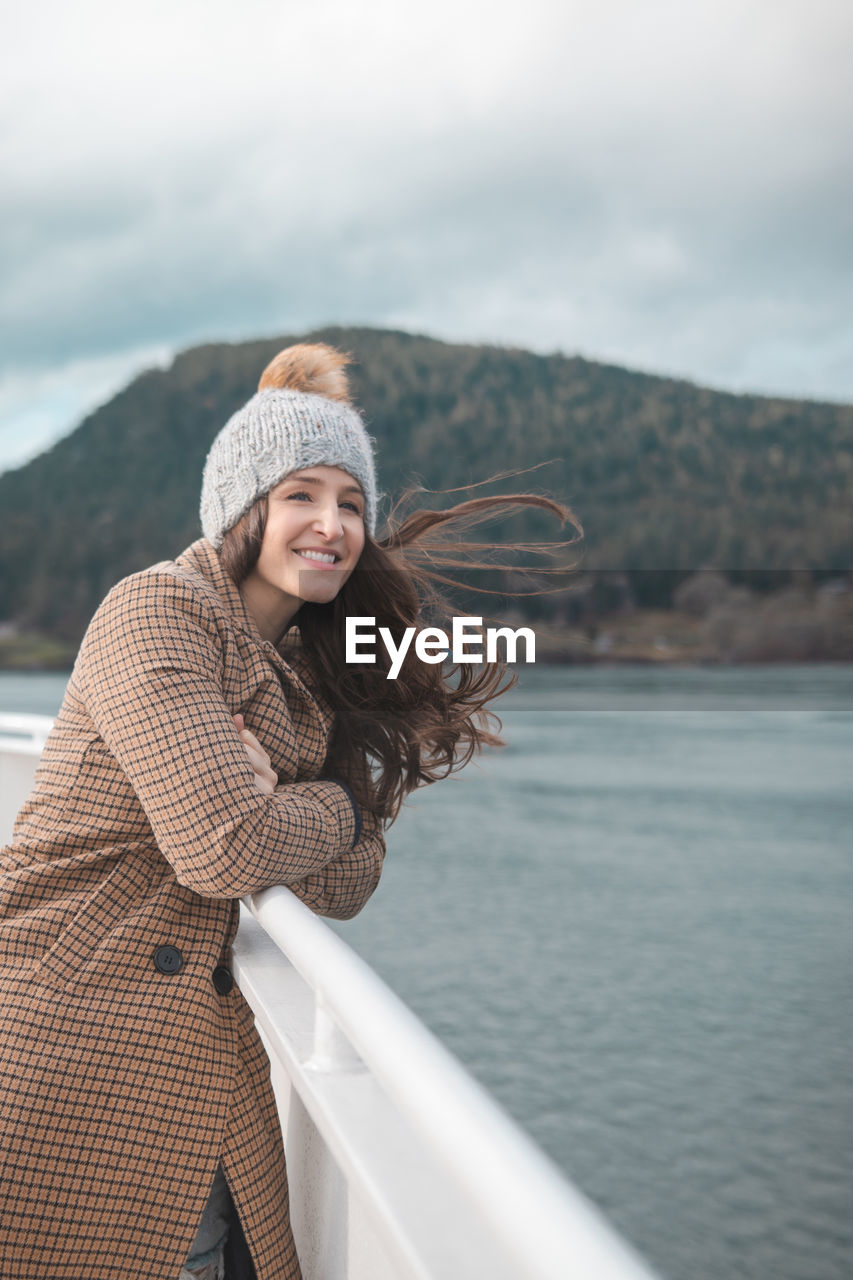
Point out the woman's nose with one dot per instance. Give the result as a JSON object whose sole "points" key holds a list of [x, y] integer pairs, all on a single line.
{"points": [[328, 520]]}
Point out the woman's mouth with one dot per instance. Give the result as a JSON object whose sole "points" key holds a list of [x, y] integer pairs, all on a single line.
{"points": [[318, 557]]}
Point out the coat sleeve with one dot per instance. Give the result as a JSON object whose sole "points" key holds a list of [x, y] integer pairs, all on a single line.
{"points": [[344, 885], [150, 671]]}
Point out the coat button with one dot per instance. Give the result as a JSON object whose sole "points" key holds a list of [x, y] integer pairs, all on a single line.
{"points": [[223, 979], [168, 959]]}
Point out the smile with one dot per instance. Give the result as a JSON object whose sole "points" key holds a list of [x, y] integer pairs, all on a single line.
{"points": [[319, 557]]}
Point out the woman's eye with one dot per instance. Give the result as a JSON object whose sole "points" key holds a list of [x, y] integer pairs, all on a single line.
{"points": [[299, 494], [352, 506]]}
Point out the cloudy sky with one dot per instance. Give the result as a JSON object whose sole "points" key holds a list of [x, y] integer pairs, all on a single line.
{"points": [[661, 184]]}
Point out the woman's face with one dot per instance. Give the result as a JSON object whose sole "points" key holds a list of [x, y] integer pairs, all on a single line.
{"points": [[313, 538]]}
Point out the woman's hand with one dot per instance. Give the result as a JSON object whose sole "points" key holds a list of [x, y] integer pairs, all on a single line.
{"points": [[265, 779]]}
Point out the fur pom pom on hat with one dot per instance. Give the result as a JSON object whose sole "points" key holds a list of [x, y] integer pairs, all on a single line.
{"points": [[299, 417]]}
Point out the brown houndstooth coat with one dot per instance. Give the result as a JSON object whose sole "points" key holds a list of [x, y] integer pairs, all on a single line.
{"points": [[126, 1074]]}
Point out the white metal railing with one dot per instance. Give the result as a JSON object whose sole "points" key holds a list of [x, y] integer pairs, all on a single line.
{"points": [[442, 1181], [24, 732], [22, 740], [401, 1167]]}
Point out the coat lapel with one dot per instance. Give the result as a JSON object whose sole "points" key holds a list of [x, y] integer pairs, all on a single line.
{"points": [[311, 715]]}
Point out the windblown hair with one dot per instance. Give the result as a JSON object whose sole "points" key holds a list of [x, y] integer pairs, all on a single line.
{"points": [[392, 736]]}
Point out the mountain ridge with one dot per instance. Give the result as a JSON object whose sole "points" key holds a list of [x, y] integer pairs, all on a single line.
{"points": [[668, 477]]}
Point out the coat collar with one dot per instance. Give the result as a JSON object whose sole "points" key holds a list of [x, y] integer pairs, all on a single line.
{"points": [[289, 657], [203, 558]]}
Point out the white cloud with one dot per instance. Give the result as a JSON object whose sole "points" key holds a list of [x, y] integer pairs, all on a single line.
{"points": [[662, 184]]}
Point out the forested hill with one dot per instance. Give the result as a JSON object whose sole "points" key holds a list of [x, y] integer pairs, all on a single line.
{"points": [[664, 475]]}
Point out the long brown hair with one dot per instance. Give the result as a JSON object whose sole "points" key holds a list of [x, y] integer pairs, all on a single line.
{"points": [[392, 736]]}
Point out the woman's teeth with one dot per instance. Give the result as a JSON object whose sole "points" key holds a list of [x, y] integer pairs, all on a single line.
{"points": [[324, 557]]}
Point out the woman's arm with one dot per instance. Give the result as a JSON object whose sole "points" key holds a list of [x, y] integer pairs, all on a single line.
{"points": [[344, 885], [150, 671]]}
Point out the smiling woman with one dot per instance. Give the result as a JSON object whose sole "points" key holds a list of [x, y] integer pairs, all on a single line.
{"points": [[212, 742], [313, 537]]}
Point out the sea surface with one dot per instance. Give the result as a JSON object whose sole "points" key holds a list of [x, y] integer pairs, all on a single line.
{"points": [[635, 926]]}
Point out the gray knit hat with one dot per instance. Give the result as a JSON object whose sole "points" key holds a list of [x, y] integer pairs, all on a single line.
{"points": [[276, 432]]}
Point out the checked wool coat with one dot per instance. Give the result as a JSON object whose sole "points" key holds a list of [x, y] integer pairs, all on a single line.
{"points": [[126, 1079]]}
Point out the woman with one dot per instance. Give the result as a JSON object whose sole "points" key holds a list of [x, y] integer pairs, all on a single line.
{"points": [[206, 749]]}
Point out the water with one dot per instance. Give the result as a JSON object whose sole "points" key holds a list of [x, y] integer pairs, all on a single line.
{"points": [[634, 926]]}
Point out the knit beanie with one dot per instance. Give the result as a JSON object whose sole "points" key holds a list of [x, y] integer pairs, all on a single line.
{"points": [[300, 417]]}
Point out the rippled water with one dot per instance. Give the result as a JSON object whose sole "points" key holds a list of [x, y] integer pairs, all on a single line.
{"points": [[635, 926]]}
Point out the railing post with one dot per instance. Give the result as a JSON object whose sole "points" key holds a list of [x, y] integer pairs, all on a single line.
{"points": [[331, 1049]]}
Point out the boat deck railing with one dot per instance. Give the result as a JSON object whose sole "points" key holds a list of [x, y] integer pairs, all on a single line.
{"points": [[22, 739], [401, 1167], [26, 732]]}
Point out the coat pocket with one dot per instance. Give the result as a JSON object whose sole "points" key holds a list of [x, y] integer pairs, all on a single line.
{"points": [[87, 946]]}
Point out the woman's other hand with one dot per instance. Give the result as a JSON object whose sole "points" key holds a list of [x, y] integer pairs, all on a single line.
{"points": [[265, 779]]}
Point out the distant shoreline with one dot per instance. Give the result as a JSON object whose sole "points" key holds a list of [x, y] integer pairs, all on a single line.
{"points": [[712, 622], [752, 634]]}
